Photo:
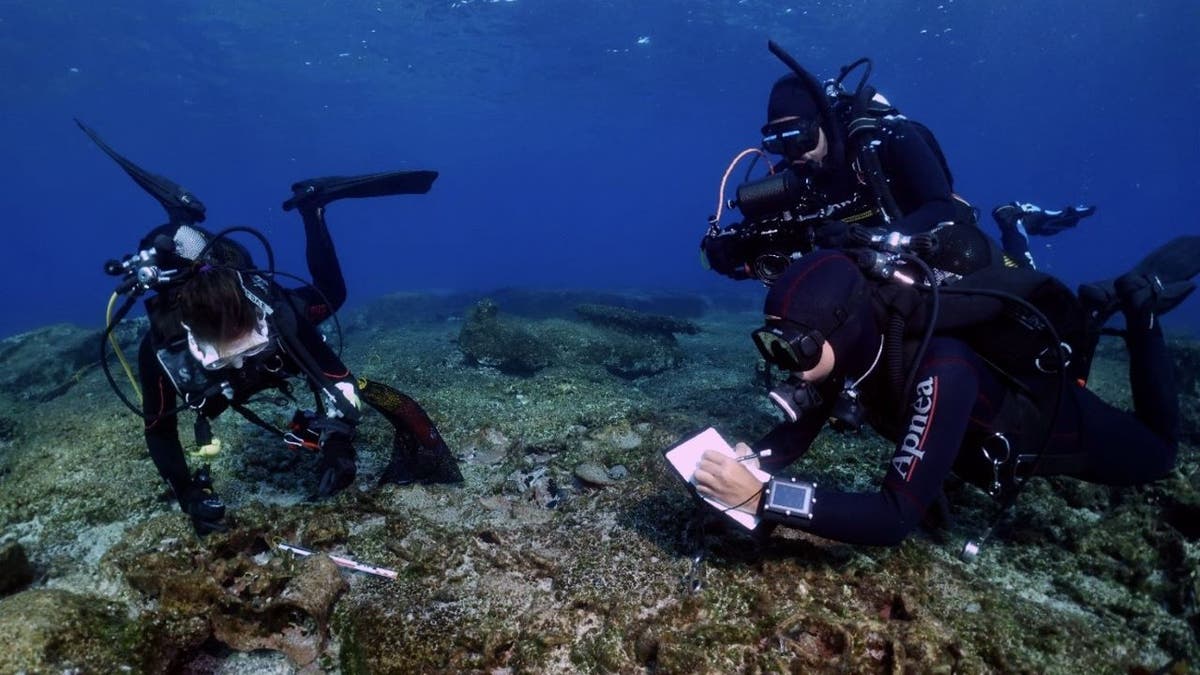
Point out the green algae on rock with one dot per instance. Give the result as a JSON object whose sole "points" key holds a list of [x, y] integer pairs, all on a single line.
{"points": [[494, 575], [507, 344], [635, 322], [51, 630]]}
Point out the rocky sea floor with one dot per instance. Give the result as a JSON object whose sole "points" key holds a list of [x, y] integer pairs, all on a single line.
{"points": [[571, 546]]}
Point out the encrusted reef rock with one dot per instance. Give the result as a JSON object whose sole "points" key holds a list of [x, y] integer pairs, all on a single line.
{"points": [[46, 363], [628, 343], [570, 546], [635, 344], [635, 322], [294, 621], [506, 344], [629, 357], [561, 303], [244, 594], [408, 308], [400, 309], [49, 630]]}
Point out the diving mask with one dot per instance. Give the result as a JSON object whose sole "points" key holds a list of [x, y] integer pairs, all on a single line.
{"points": [[791, 138], [789, 346], [232, 354]]}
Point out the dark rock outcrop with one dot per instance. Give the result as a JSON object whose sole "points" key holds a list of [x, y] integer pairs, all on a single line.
{"points": [[50, 630], [15, 571], [508, 345], [44, 364], [635, 322], [636, 344]]}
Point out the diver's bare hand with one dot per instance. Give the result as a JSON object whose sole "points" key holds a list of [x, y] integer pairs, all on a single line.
{"points": [[726, 480]]}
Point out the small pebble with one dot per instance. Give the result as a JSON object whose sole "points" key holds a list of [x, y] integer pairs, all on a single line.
{"points": [[593, 474]]}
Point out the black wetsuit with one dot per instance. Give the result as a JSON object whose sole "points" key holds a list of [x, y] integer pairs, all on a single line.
{"points": [[916, 177], [269, 370], [1017, 221], [957, 404]]}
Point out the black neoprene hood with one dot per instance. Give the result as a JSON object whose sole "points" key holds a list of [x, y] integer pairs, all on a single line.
{"points": [[825, 290], [791, 97]]}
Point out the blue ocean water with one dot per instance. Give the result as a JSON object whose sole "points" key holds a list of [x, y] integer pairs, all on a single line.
{"points": [[580, 143]]}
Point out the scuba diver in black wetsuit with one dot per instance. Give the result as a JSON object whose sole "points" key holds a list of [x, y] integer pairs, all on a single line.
{"points": [[986, 405], [850, 158], [1019, 220], [222, 331]]}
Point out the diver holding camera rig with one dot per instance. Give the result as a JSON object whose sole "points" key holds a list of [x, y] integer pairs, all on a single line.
{"points": [[223, 330], [850, 158], [920, 330]]}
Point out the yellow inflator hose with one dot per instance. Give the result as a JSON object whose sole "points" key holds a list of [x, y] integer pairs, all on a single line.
{"points": [[117, 348]]}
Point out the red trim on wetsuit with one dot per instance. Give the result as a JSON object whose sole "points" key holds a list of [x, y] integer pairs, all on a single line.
{"points": [[318, 313], [162, 404]]}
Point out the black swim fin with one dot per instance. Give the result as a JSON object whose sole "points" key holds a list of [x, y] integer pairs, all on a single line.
{"points": [[1176, 260], [183, 207], [1140, 293], [317, 192], [1168, 269], [419, 453]]}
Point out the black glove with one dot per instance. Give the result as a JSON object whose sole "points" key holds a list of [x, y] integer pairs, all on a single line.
{"points": [[337, 467], [202, 504], [726, 253]]}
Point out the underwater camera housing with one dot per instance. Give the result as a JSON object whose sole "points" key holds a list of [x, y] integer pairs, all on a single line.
{"points": [[782, 210], [775, 228], [773, 197]]}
